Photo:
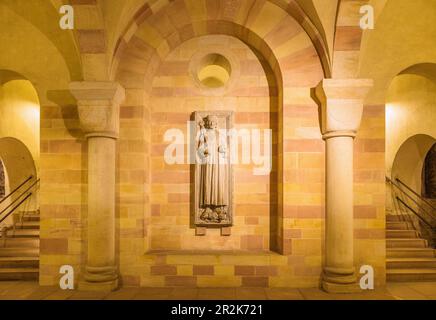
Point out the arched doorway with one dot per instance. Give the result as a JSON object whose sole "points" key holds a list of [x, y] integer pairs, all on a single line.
{"points": [[409, 161], [429, 174], [2, 180]]}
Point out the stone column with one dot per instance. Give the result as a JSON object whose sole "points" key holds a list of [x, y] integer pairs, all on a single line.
{"points": [[341, 103], [98, 105]]}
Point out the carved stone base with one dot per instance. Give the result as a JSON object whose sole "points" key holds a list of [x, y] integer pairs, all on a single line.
{"points": [[107, 286], [200, 231], [226, 231], [340, 287]]}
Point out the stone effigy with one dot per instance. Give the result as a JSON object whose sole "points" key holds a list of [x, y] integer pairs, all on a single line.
{"points": [[213, 171]]}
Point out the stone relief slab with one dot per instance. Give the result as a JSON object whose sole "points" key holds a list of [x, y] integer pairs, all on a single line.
{"points": [[213, 170]]}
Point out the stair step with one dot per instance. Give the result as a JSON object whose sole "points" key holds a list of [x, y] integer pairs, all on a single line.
{"points": [[406, 234], [26, 274], [23, 233], [399, 226], [406, 243], [19, 262], [413, 263], [402, 275], [396, 217], [19, 243], [33, 217], [27, 225], [410, 253]]}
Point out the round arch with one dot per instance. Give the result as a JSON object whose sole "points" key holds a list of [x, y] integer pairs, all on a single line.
{"points": [[429, 174], [17, 160], [409, 161]]}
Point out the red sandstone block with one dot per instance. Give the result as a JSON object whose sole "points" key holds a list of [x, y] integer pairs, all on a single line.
{"points": [[374, 145], [251, 242], [178, 197], [131, 281], [303, 212], [250, 210], [128, 112], [285, 30], [307, 271], [365, 212], [92, 41], [348, 38], [142, 14], [174, 177], [200, 231], [173, 68], [203, 270], [163, 270], [65, 146], [296, 260], [303, 145], [369, 234], [287, 246], [300, 111], [155, 210], [265, 271], [244, 270], [292, 233], [180, 281], [54, 246], [132, 233], [255, 282], [362, 176], [251, 220], [374, 111], [226, 231], [61, 211]]}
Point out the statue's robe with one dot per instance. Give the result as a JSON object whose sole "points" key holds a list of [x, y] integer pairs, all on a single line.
{"points": [[214, 184]]}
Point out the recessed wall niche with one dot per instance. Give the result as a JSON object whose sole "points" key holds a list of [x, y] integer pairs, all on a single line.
{"points": [[226, 76]]}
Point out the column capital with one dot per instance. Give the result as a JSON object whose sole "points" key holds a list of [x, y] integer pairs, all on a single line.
{"points": [[98, 105], [341, 103]]}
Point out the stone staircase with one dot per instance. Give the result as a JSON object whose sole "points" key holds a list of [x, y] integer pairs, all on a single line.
{"points": [[19, 251], [408, 256]]}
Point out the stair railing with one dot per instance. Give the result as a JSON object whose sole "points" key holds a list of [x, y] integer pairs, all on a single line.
{"points": [[17, 197], [413, 208]]}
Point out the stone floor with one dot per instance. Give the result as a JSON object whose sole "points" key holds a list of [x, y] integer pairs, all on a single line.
{"points": [[393, 291]]}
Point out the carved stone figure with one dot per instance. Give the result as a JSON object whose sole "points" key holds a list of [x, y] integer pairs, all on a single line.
{"points": [[213, 171]]}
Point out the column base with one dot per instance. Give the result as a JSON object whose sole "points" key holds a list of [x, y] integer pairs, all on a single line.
{"points": [[342, 288], [339, 280], [107, 286]]}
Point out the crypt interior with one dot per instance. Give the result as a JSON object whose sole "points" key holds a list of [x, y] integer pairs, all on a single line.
{"points": [[87, 116]]}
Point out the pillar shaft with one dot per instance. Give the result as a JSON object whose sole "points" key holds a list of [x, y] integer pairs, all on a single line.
{"points": [[339, 266], [341, 106], [100, 265], [98, 105]]}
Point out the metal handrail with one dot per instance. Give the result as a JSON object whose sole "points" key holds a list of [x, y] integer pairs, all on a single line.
{"points": [[408, 196], [415, 193], [16, 199], [16, 207], [16, 189], [414, 211]]}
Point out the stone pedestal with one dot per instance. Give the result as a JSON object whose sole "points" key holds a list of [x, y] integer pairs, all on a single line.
{"points": [[98, 106], [341, 103]]}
